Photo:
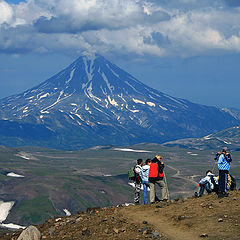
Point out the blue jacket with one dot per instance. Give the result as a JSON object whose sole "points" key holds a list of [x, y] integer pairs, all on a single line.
{"points": [[224, 162], [144, 173]]}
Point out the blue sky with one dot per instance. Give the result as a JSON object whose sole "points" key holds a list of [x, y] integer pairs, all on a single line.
{"points": [[186, 48]]}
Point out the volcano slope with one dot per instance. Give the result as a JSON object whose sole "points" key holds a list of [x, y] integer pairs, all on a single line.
{"points": [[94, 102], [191, 218]]}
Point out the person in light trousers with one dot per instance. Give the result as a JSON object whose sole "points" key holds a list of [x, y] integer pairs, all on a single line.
{"points": [[138, 181], [156, 177]]}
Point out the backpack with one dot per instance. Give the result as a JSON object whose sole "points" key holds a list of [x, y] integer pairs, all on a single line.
{"points": [[215, 185], [232, 183], [132, 173], [154, 172]]}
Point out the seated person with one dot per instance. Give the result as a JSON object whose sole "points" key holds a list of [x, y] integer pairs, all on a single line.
{"points": [[208, 183]]}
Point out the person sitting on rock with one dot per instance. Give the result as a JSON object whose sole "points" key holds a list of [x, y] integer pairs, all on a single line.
{"points": [[208, 183]]}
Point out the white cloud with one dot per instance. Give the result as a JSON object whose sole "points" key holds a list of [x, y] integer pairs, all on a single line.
{"points": [[201, 31], [6, 12], [123, 26]]}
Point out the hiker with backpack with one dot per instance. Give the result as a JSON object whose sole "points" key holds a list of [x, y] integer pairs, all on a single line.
{"points": [[208, 183], [144, 174], [223, 166], [137, 181], [156, 176]]}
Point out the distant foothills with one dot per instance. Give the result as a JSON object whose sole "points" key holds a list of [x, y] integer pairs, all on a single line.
{"points": [[228, 137], [94, 102]]}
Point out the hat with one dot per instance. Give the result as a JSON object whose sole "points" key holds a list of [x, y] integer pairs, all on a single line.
{"points": [[224, 149]]}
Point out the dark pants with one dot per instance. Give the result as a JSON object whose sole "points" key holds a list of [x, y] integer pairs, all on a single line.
{"points": [[223, 181], [203, 187]]}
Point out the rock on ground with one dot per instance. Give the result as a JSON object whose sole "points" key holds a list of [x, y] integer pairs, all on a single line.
{"points": [[30, 233]]}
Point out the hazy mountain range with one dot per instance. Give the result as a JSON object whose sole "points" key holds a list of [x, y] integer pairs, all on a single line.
{"points": [[228, 138], [94, 102]]}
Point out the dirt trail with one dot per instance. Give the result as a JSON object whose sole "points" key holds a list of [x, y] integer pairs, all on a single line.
{"points": [[178, 175], [160, 223], [193, 218], [189, 179]]}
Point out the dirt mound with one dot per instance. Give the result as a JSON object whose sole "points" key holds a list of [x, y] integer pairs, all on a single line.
{"points": [[192, 218]]}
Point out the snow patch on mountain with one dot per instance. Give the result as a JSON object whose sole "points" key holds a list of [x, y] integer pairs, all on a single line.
{"points": [[59, 99], [5, 208], [151, 104], [163, 108], [11, 226], [90, 94], [138, 101], [44, 95], [173, 99], [208, 137], [106, 106], [71, 76], [121, 96], [132, 87], [89, 72], [131, 150], [134, 111], [113, 72], [25, 110], [111, 88], [79, 116], [112, 101], [12, 174], [67, 212], [71, 117], [86, 107], [226, 142], [30, 98]]}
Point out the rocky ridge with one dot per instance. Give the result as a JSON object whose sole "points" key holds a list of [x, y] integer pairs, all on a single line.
{"points": [[190, 218]]}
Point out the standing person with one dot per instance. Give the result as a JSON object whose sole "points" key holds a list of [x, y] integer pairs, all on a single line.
{"points": [[156, 176], [137, 181], [223, 167], [144, 174]]}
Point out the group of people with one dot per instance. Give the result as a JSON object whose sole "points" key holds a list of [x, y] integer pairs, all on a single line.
{"points": [[150, 174], [223, 182]]}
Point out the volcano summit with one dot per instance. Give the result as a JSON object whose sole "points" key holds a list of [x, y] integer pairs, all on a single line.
{"points": [[94, 102]]}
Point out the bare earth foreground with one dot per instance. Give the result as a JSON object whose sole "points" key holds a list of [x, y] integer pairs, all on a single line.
{"points": [[192, 218]]}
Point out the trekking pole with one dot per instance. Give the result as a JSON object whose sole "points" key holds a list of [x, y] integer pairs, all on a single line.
{"points": [[165, 179], [214, 165]]}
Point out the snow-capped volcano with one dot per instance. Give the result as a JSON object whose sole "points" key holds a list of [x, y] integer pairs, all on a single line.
{"points": [[94, 102]]}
